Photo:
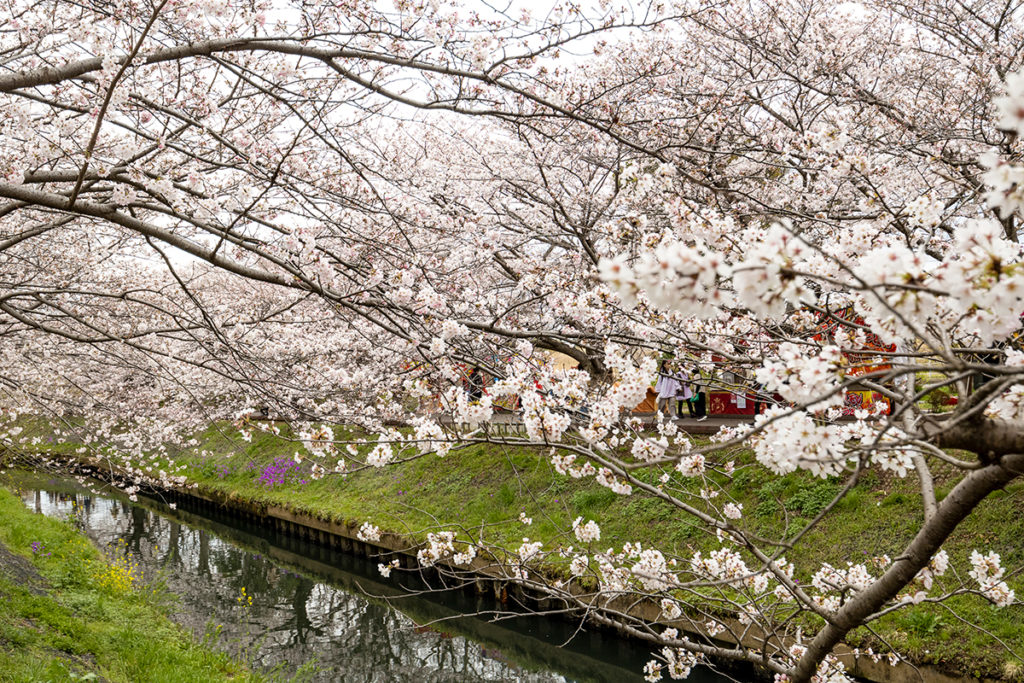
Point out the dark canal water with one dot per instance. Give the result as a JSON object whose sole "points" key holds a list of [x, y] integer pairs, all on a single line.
{"points": [[327, 612]]}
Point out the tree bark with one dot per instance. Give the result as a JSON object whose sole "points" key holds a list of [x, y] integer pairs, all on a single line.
{"points": [[960, 503]]}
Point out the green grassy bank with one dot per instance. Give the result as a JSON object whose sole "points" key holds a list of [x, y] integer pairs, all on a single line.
{"points": [[482, 489], [68, 614]]}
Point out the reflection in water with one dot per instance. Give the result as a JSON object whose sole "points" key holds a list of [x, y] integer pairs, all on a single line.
{"points": [[294, 619]]}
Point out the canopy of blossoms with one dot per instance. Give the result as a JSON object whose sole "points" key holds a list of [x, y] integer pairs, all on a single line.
{"points": [[331, 213]]}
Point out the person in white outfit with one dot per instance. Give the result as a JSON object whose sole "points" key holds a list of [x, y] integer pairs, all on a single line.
{"points": [[685, 394], [667, 387]]}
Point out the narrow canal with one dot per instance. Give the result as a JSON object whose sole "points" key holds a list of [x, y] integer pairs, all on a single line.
{"points": [[327, 613]]}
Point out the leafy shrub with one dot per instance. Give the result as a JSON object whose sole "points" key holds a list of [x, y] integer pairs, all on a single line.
{"points": [[593, 499], [801, 496], [924, 623], [810, 500]]}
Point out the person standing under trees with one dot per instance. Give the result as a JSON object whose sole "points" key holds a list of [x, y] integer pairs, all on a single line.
{"points": [[685, 394], [475, 383], [700, 406], [759, 398], [667, 386]]}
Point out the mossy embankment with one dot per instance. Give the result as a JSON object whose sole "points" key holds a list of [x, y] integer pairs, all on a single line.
{"points": [[67, 613], [481, 490]]}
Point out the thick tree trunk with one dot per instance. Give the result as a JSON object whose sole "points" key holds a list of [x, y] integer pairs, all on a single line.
{"points": [[960, 503]]}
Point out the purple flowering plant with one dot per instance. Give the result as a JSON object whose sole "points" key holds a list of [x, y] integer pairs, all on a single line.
{"points": [[281, 471]]}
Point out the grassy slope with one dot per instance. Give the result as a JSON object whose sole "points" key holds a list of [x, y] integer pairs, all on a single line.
{"points": [[490, 485], [85, 623]]}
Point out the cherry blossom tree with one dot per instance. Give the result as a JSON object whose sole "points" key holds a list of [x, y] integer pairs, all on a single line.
{"points": [[328, 212]]}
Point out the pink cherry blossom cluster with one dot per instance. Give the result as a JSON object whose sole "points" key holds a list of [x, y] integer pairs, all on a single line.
{"points": [[987, 570]]}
